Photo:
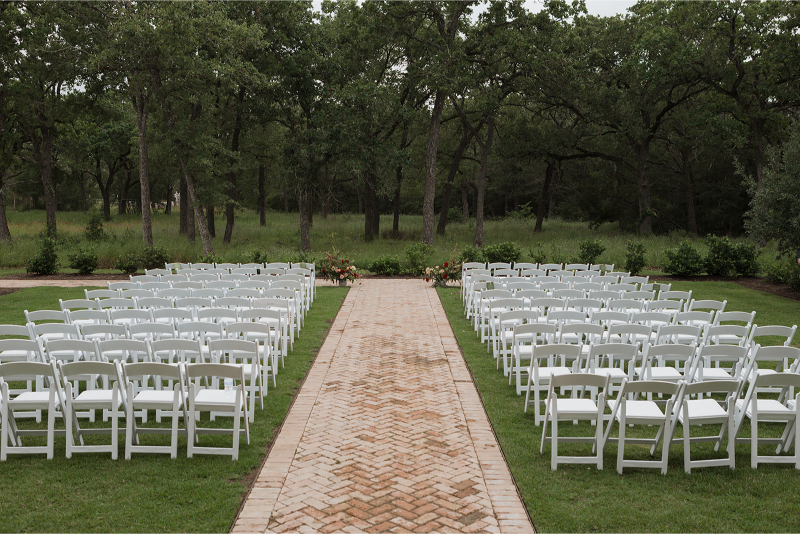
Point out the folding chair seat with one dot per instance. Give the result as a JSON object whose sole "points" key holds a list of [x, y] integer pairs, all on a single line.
{"points": [[208, 293], [606, 279], [283, 306], [633, 411], [234, 277], [525, 338], [109, 400], [684, 297], [517, 286], [299, 295], [289, 296], [532, 274], [481, 316], [52, 331], [547, 361], [77, 304], [248, 271], [47, 396], [123, 350], [714, 306], [104, 331], [656, 360], [583, 334], [224, 285], [632, 334], [706, 411], [545, 305], [191, 286], [496, 307], [117, 286], [116, 304], [94, 294], [227, 266], [45, 316], [606, 267], [213, 399], [618, 274], [169, 397], [171, 316], [157, 272], [604, 296], [497, 266], [652, 319], [683, 334], [585, 305], [200, 330], [88, 317], [529, 294], [519, 266], [129, 317], [19, 350], [234, 303], [609, 318], [570, 294], [549, 287], [778, 360], [154, 286], [202, 266], [576, 267], [760, 410], [628, 306], [138, 293], [143, 278], [550, 266], [587, 287], [655, 286], [172, 278], [575, 409], [562, 317], [643, 296], [665, 306], [151, 331], [192, 304], [761, 335], [153, 303], [278, 265], [245, 293], [726, 334], [175, 292], [275, 322], [624, 289], [617, 361], [639, 280], [223, 316], [719, 362], [272, 272], [506, 322], [748, 318], [258, 285]]}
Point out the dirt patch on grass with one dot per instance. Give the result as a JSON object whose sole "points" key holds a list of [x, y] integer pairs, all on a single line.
{"points": [[759, 284], [7, 291], [64, 276]]}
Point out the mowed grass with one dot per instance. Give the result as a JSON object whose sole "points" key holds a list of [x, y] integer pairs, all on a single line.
{"points": [[580, 498], [280, 239], [150, 492]]}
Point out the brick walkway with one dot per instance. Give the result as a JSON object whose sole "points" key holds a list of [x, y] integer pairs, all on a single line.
{"points": [[388, 433]]}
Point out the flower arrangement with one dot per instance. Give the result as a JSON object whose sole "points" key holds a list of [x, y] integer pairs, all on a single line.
{"points": [[448, 272], [338, 269]]}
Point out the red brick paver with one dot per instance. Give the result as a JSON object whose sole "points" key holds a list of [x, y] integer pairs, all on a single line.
{"points": [[388, 433]]}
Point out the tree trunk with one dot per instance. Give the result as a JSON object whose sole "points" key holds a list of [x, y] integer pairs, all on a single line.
{"points": [[105, 189], [544, 201], [466, 137], [170, 194], [485, 148], [262, 195], [372, 212], [210, 220], [124, 185], [645, 215], [43, 153], [360, 199], [229, 211], [190, 222], [757, 125], [396, 217], [305, 216], [84, 200], [551, 204], [140, 103], [5, 233], [464, 199], [430, 168], [183, 206], [686, 169]]}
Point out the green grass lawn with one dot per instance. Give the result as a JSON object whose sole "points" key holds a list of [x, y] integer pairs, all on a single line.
{"points": [[280, 238], [579, 498], [150, 492]]}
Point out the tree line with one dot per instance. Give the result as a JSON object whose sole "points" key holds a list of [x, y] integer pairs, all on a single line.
{"points": [[652, 119]]}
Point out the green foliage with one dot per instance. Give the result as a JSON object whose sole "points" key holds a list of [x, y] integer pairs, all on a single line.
{"points": [[154, 258], [46, 261], [386, 265], [471, 253], [455, 214], [94, 229], [416, 257], [720, 257], [524, 212], [787, 272], [684, 260], [209, 258], [590, 250], [301, 257], [634, 259], [745, 259], [537, 253], [259, 256], [85, 261], [508, 252], [128, 263], [775, 206]]}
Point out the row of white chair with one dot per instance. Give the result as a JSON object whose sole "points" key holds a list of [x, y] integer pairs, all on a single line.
{"points": [[121, 389], [469, 266]]}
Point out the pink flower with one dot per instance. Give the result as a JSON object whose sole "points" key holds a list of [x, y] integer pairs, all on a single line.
{"points": [[341, 276]]}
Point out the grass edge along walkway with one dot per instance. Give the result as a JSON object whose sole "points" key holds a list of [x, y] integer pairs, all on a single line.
{"points": [[150, 492], [579, 498]]}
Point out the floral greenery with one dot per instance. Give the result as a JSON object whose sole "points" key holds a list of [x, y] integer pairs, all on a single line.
{"points": [[85, 261], [128, 263], [416, 254], [448, 272], [590, 250], [634, 259], [336, 268]]}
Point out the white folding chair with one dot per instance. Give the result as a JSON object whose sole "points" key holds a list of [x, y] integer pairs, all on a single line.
{"points": [[247, 355], [547, 361]]}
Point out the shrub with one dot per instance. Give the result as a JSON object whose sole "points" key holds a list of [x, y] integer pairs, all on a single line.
{"points": [[745, 259], [154, 258], [386, 265], [471, 253], [590, 251], [210, 258], [537, 253], [46, 261], [300, 257], [416, 257], [720, 258], [784, 273], [508, 252], [684, 260], [634, 259], [258, 256], [128, 263], [85, 261], [94, 229]]}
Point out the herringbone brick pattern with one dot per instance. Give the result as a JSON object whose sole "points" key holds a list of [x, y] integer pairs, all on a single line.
{"points": [[388, 433]]}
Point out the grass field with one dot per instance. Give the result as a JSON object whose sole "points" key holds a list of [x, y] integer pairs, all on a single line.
{"points": [[280, 238], [579, 498], [150, 492]]}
